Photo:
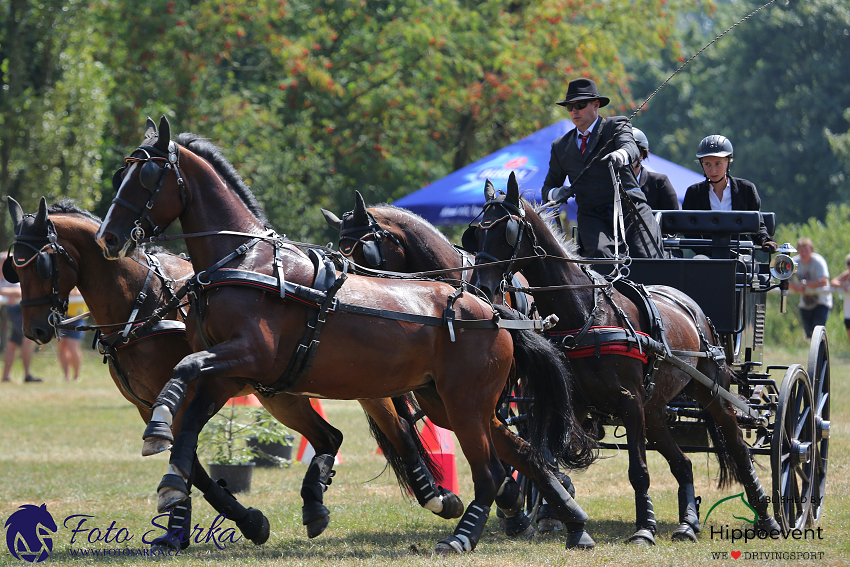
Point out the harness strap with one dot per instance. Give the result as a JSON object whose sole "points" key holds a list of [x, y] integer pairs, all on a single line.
{"points": [[140, 299]]}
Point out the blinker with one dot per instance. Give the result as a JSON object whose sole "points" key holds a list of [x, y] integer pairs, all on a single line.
{"points": [[372, 253], [468, 241], [43, 266], [117, 177], [150, 175], [512, 232], [9, 272]]}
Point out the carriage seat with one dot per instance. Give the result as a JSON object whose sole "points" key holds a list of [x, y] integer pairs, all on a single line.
{"points": [[711, 222]]}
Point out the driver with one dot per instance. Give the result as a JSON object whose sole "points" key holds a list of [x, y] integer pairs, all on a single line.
{"points": [[722, 192], [582, 154]]}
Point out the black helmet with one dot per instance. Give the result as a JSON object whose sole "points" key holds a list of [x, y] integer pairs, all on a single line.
{"points": [[715, 145], [640, 139]]}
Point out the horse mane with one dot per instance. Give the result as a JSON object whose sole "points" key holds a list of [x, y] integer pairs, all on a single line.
{"points": [[68, 207], [210, 152], [549, 216], [416, 217]]}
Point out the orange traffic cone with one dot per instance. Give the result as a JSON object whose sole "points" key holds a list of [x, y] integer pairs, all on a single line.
{"points": [[249, 400], [306, 452], [439, 443]]}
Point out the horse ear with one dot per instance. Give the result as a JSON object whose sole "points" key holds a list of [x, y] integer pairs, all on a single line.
{"points": [[360, 208], [164, 135], [331, 219], [513, 190], [16, 212], [489, 190], [150, 132], [41, 216]]}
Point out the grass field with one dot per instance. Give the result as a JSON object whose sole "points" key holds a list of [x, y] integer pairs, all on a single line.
{"points": [[76, 447]]}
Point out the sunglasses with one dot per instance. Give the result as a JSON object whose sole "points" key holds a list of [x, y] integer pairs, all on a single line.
{"points": [[577, 105]]}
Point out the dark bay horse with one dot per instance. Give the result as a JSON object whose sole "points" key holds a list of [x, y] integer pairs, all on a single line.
{"points": [[379, 338], [55, 251], [511, 230], [386, 238]]}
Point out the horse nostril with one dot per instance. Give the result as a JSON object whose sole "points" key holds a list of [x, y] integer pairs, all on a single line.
{"points": [[42, 335]]}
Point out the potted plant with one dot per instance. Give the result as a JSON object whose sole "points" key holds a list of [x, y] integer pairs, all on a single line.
{"points": [[234, 438]]}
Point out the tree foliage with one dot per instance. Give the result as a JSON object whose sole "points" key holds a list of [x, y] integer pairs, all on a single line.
{"points": [[776, 87]]}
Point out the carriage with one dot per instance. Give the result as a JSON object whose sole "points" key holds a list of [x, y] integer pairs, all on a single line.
{"points": [[788, 417]]}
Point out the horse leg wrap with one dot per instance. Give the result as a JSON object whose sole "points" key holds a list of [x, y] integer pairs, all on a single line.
{"points": [[171, 395], [688, 515], [568, 511], [645, 521], [251, 522], [437, 499], [183, 452], [319, 476], [468, 531], [509, 501], [758, 500], [179, 531]]}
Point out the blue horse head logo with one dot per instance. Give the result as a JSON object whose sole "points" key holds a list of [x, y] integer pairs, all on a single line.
{"points": [[28, 533]]}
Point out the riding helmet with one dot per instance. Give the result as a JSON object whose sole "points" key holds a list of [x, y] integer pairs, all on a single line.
{"points": [[640, 139], [715, 145]]}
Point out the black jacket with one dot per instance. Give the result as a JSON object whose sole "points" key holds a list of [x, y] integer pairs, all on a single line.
{"points": [[594, 188], [745, 197], [660, 195]]}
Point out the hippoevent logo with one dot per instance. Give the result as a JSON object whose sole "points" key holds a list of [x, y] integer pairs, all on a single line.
{"points": [[28, 533], [733, 534]]}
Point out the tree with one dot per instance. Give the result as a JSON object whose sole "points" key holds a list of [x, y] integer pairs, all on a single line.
{"points": [[52, 103], [775, 86]]}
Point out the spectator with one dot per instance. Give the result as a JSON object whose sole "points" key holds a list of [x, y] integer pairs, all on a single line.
{"points": [[811, 277], [70, 352], [843, 282], [11, 293]]}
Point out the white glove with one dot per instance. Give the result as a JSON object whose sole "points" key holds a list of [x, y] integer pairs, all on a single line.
{"points": [[558, 194], [618, 157]]}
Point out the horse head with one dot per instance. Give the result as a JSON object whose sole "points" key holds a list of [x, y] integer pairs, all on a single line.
{"points": [[46, 271], [503, 234], [367, 241], [29, 531], [147, 199]]}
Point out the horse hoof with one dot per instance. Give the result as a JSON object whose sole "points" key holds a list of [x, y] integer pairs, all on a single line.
{"points": [[451, 545], [685, 532], [642, 537], [255, 526], [769, 524], [548, 525], [580, 540], [444, 549], [155, 445], [316, 527], [452, 505], [519, 526], [168, 498]]}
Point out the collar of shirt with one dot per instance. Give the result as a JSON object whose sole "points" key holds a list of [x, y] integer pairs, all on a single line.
{"points": [[724, 204], [579, 133]]}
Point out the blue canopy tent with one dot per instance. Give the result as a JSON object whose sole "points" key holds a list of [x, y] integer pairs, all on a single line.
{"points": [[458, 197]]}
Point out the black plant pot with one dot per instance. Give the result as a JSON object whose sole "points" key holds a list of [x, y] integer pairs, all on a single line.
{"points": [[237, 477], [284, 451]]}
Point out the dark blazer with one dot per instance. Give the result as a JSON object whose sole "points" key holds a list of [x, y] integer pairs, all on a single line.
{"points": [[660, 195], [745, 197], [594, 188]]}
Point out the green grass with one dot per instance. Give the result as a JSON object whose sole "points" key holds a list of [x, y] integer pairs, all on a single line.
{"points": [[76, 447]]}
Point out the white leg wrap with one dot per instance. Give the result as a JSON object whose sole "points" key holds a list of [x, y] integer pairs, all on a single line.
{"points": [[434, 505], [161, 413]]}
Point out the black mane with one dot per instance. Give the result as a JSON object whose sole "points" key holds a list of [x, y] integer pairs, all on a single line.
{"points": [[67, 206], [212, 154]]}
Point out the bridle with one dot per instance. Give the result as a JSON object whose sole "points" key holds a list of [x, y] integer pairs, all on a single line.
{"points": [[47, 267], [151, 177], [370, 236]]}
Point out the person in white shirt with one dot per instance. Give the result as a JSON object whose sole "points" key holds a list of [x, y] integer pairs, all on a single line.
{"points": [[812, 283], [843, 281]]}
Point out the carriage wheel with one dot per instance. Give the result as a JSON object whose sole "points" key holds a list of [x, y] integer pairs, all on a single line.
{"points": [[818, 370], [793, 450]]}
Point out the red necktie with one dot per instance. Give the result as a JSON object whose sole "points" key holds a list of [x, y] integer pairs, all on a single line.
{"points": [[584, 138]]}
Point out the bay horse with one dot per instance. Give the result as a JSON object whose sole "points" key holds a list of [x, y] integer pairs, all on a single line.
{"points": [[55, 250], [253, 299], [385, 240], [611, 380]]}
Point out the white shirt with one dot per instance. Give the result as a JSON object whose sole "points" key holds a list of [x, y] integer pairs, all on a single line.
{"points": [[724, 204]]}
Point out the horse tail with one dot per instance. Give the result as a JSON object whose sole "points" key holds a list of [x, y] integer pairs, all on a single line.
{"points": [[545, 379], [729, 472], [405, 406]]}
